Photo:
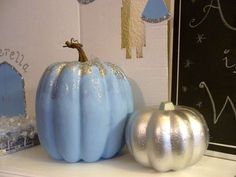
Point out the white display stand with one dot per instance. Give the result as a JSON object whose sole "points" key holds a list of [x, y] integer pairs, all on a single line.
{"points": [[34, 162]]}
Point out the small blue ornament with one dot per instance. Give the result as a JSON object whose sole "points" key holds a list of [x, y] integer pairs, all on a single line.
{"points": [[85, 1], [155, 11]]}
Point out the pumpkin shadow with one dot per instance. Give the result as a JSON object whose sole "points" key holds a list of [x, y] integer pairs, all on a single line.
{"points": [[139, 101]]}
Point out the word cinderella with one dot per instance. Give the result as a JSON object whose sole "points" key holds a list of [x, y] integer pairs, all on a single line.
{"points": [[15, 56]]}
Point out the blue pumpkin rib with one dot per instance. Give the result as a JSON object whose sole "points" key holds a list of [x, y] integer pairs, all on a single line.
{"points": [[129, 97], [117, 115], [66, 114], [127, 92], [95, 115], [43, 111]]}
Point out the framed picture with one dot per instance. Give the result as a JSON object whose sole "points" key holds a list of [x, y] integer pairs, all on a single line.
{"points": [[204, 67]]}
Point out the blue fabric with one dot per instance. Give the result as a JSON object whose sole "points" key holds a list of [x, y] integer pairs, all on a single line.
{"points": [[155, 11]]}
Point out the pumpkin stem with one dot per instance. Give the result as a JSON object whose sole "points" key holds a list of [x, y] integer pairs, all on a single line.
{"points": [[167, 106], [74, 44]]}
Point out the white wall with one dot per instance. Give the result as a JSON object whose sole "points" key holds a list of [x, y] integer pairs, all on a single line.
{"points": [[37, 29]]}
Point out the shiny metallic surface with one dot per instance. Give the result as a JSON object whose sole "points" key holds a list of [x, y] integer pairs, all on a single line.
{"points": [[170, 138], [136, 135]]}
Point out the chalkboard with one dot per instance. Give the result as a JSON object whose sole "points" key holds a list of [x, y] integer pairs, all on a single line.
{"points": [[204, 65]]}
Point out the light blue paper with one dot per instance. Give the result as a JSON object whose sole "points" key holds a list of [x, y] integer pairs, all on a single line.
{"points": [[12, 99], [155, 11]]}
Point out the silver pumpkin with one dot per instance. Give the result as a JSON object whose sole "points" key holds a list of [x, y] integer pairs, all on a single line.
{"points": [[168, 138]]}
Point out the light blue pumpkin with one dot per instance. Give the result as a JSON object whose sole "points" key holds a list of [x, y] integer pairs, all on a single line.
{"points": [[81, 110]]}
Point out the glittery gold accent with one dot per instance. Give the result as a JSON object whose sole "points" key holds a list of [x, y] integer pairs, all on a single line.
{"points": [[116, 71], [86, 68], [132, 27], [166, 17], [100, 66], [60, 67]]}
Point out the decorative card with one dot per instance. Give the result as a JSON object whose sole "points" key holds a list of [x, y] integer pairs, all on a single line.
{"points": [[32, 34], [204, 67]]}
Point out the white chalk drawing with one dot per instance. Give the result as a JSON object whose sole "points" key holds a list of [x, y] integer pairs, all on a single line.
{"points": [[199, 104], [188, 63], [206, 9], [226, 60], [216, 117], [184, 88], [200, 38], [226, 51], [227, 65]]}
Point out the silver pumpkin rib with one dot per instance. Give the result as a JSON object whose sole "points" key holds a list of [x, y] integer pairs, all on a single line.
{"points": [[201, 136], [159, 142], [200, 133], [185, 143], [139, 138]]}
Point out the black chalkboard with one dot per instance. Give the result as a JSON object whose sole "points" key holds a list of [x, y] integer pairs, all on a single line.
{"points": [[204, 65]]}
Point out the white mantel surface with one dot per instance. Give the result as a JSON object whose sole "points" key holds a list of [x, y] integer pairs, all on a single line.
{"points": [[34, 162]]}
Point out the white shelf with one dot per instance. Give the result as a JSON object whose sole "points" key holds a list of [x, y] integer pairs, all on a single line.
{"points": [[35, 162]]}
